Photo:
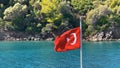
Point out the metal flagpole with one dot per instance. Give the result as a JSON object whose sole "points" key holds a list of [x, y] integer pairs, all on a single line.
{"points": [[81, 65]]}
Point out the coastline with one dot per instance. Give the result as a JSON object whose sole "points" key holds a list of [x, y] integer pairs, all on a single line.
{"points": [[106, 35], [22, 36]]}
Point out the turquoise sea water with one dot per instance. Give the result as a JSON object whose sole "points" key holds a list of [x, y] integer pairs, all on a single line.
{"points": [[36, 55], [101, 54], [42, 55]]}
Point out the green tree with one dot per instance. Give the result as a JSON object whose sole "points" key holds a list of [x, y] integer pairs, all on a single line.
{"points": [[49, 15], [82, 6], [13, 12], [98, 19], [49, 10], [114, 6], [16, 15]]}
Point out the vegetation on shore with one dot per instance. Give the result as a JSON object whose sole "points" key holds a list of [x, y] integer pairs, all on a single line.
{"points": [[57, 16]]}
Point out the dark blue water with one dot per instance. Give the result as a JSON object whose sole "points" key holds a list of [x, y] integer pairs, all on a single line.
{"points": [[42, 55], [36, 55]]}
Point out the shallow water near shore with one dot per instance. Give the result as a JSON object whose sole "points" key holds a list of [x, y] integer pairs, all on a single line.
{"points": [[41, 54]]}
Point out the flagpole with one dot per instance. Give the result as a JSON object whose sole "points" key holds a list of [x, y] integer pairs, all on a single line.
{"points": [[81, 65]]}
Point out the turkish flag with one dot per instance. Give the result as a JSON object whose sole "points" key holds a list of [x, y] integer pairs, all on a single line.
{"points": [[69, 40]]}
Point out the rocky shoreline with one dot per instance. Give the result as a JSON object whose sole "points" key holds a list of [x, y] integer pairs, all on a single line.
{"points": [[21, 36], [106, 35]]}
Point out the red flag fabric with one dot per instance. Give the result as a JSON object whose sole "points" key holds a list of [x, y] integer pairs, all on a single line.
{"points": [[69, 40]]}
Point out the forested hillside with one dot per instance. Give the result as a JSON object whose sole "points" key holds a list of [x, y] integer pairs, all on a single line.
{"points": [[56, 16]]}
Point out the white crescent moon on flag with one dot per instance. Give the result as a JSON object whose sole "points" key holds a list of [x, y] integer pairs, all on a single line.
{"points": [[75, 38]]}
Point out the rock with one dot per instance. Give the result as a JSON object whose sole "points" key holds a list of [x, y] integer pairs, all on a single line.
{"points": [[100, 36], [49, 39], [108, 35], [97, 37], [36, 39], [17, 39], [32, 38]]}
